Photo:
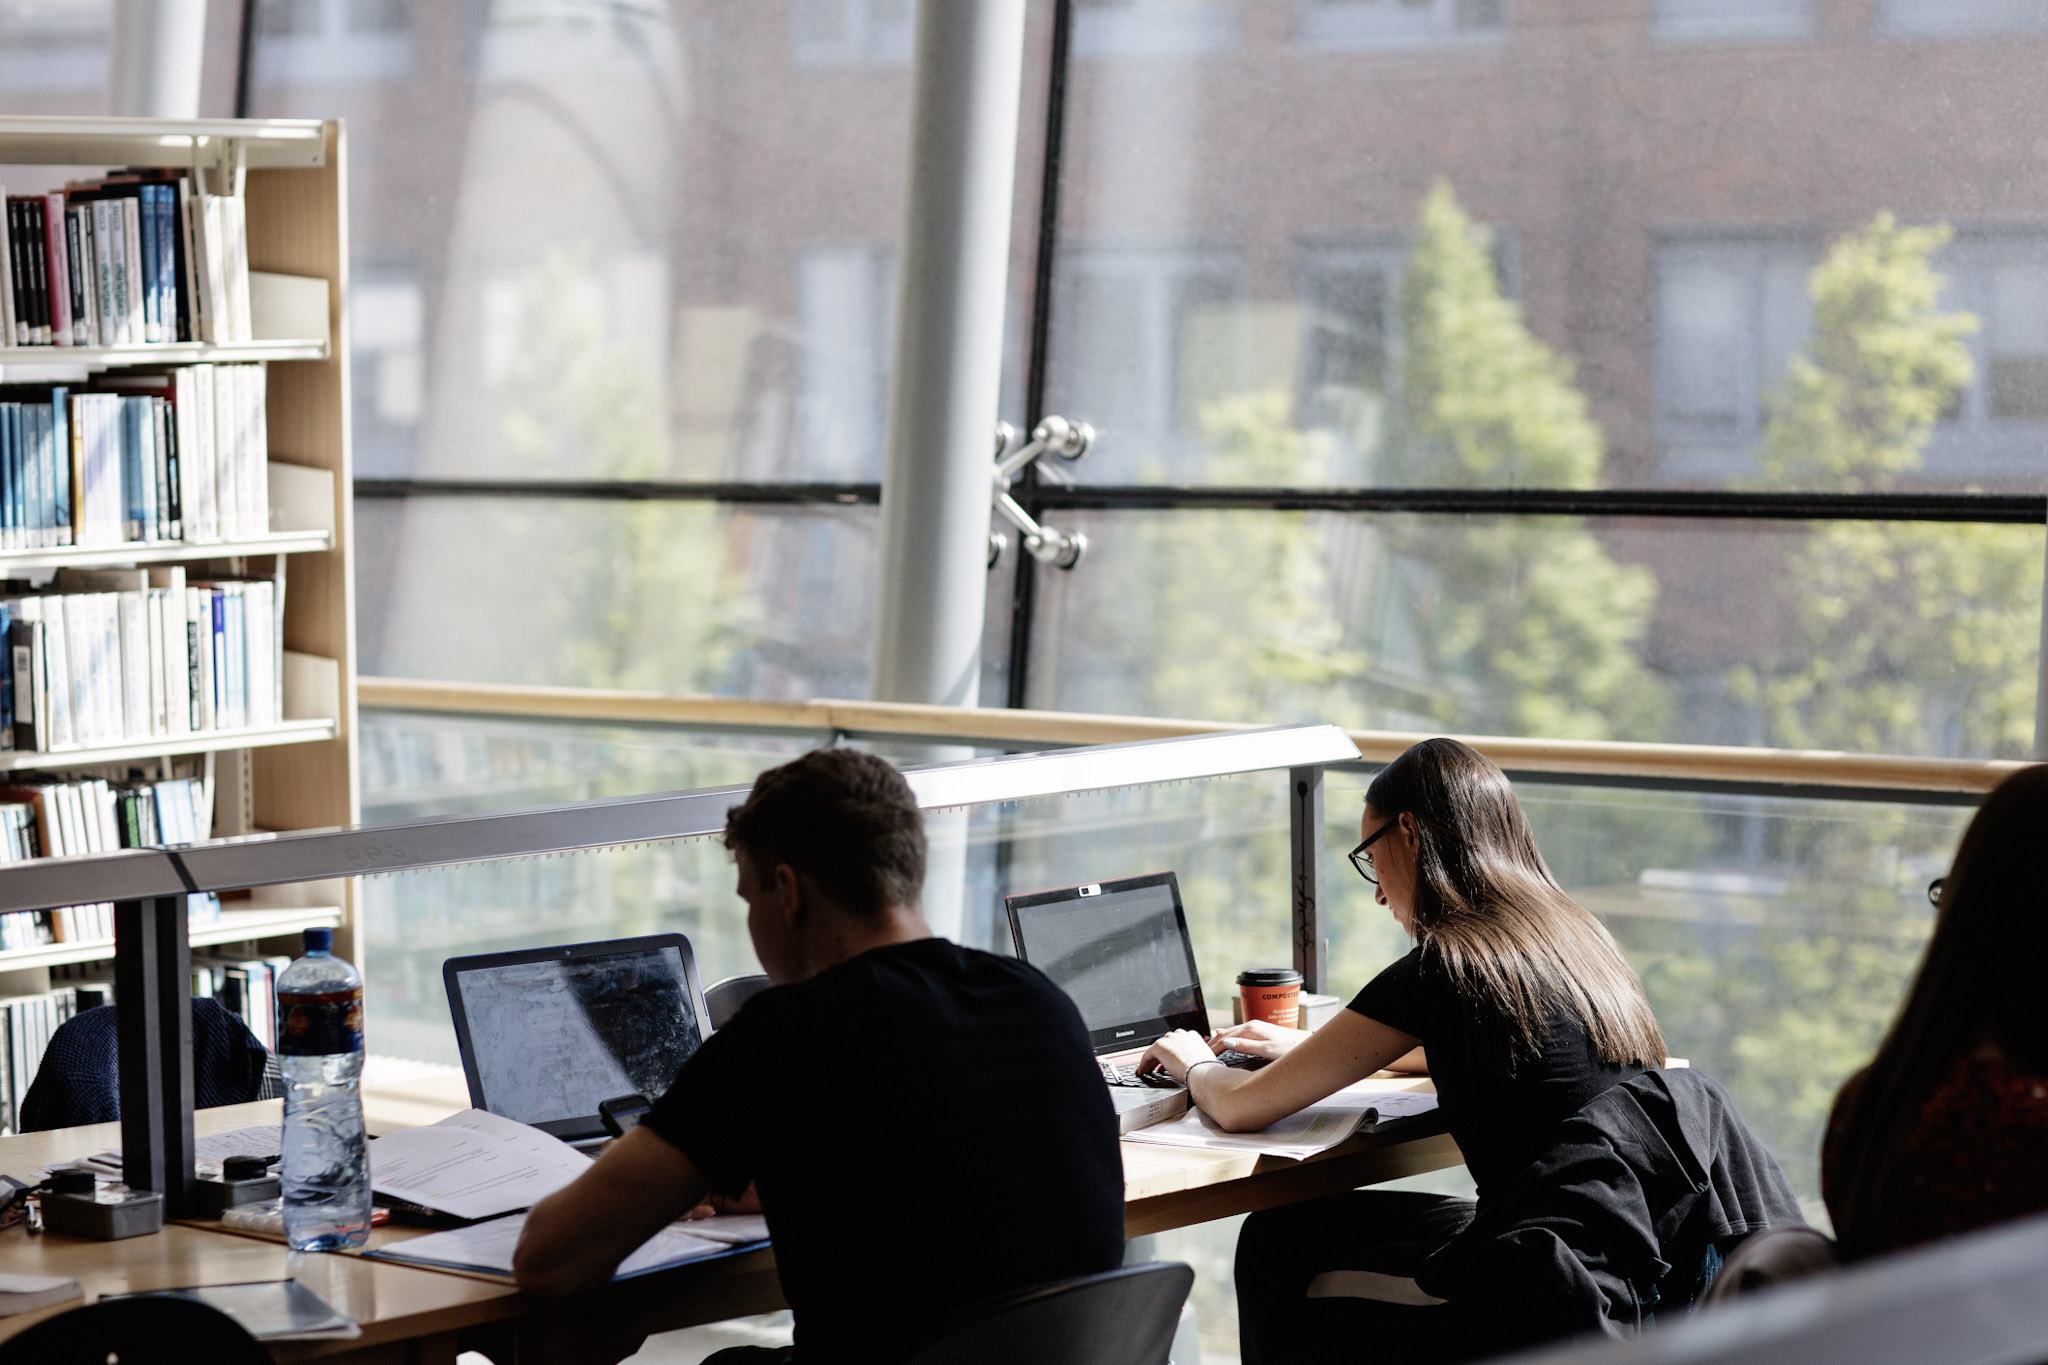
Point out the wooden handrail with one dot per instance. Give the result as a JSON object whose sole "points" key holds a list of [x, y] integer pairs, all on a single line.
{"points": [[1696, 762]]}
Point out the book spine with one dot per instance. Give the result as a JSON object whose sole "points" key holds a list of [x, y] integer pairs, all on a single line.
{"points": [[145, 224], [184, 259], [38, 266], [84, 316], [59, 471], [131, 255], [162, 199], [8, 336], [59, 262], [171, 496], [17, 278], [106, 271]]}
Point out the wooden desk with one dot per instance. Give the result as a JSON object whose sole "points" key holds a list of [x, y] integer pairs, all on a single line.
{"points": [[420, 1316]]}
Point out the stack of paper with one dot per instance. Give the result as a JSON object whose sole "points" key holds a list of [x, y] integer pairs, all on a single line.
{"points": [[473, 1165], [488, 1246], [1317, 1128]]}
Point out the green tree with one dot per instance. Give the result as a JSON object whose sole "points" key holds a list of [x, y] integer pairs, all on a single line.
{"points": [[1907, 637]]}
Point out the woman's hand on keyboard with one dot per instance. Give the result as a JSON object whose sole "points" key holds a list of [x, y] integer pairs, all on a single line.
{"points": [[1258, 1039], [1175, 1053]]}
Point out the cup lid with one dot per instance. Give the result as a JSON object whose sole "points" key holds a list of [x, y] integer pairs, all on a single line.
{"points": [[1269, 976]]}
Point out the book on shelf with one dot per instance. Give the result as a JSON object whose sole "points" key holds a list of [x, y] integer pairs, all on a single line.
{"points": [[26, 1023], [132, 258], [103, 657], [177, 456]]}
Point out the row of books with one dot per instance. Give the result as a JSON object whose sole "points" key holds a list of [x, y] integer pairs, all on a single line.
{"points": [[113, 655], [56, 817], [26, 1023], [134, 258], [244, 986], [181, 455]]}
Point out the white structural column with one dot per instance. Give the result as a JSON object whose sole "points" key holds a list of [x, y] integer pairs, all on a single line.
{"points": [[154, 58], [947, 370]]}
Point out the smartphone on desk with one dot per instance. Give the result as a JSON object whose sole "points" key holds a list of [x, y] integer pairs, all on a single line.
{"points": [[621, 1114]]}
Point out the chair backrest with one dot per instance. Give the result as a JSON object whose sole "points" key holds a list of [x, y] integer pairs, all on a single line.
{"points": [[140, 1331], [1120, 1317], [1770, 1257], [724, 998], [79, 1079]]}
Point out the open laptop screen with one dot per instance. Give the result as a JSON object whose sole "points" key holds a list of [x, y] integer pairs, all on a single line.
{"points": [[1121, 950], [548, 1034]]}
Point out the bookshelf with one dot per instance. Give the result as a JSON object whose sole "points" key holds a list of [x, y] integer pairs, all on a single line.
{"points": [[301, 772]]}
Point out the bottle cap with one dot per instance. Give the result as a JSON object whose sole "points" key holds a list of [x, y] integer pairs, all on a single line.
{"points": [[1269, 976], [319, 940]]}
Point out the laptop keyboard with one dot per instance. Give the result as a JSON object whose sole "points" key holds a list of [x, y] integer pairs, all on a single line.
{"points": [[1127, 1076]]}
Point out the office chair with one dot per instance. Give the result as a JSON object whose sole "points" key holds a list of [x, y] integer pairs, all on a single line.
{"points": [[723, 1000], [1120, 1317], [79, 1080], [140, 1331]]}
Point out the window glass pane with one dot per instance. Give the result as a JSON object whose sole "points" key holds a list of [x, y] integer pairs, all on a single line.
{"points": [[1917, 18], [660, 596], [1595, 262], [1710, 19], [53, 56], [1774, 937], [612, 241], [1874, 637]]}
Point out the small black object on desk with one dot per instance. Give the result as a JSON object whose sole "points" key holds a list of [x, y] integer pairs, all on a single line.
{"points": [[242, 1180]]}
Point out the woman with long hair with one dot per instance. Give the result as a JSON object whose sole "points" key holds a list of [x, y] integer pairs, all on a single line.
{"points": [[1523, 1007], [1945, 1129]]}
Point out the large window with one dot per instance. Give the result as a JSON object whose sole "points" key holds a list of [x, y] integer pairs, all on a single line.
{"points": [[1711, 19]]}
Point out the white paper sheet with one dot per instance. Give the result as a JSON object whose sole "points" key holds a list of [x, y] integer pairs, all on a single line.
{"points": [[1317, 1128], [214, 1148], [473, 1165], [488, 1246]]}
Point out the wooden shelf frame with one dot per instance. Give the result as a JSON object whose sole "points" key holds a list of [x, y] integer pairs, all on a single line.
{"points": [[155, 353]]}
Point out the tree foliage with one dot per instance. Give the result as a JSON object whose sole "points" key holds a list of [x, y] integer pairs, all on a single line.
{"points": [[1525, 626]]}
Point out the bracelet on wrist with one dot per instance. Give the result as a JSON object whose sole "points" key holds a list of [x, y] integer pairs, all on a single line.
{"points": [[1188, 1077]]}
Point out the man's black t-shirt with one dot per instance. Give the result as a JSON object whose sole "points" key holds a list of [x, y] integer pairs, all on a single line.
{"points": [[926, 1126], [1500, 1114]]}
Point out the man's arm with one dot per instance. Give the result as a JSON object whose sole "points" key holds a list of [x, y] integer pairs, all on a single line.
{"points": [[577, 1236]]}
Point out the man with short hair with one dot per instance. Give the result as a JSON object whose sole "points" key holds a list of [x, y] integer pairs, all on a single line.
{"points": [[924, 1123]]}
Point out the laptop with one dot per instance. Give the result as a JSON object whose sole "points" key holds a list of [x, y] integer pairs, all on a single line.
{"points": [[549, 1034], [1121, 952]]}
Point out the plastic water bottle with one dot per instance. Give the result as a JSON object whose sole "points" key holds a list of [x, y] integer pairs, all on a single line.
{"points": [[320, 1050]]}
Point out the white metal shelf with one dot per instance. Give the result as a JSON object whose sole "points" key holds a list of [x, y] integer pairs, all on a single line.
{"points": [[166, 551], [165, 746], [158, 353], [62, 140], [233, 926]]}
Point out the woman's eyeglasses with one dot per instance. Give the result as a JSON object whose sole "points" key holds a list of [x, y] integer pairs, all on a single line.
{"points": [[1362, 860]]}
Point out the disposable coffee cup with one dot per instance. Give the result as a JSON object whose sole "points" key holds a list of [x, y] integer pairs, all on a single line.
{"points": [[1272, 994]]}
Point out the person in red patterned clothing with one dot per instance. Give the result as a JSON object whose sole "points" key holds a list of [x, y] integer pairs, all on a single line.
{"points": [[1947, 1128]]}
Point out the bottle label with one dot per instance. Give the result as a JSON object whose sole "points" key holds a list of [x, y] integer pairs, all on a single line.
{"points": [[319, 1025]]}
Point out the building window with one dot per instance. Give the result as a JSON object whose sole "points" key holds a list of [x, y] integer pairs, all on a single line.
{"points": [[1730, 315], [1944, 18], [1350, 351], [845, 318], [2000, 423], [1154, 28], [386, 338], [1708, 20], [1145, 337], [1398, 23], [332, 42], [851, 32]]}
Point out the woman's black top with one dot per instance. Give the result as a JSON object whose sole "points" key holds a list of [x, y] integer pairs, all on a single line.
{"points": [[1499, 1106]]}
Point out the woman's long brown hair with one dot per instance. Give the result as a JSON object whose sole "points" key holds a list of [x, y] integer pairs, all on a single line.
{"points": [[1980, 981], [1485, 902]]}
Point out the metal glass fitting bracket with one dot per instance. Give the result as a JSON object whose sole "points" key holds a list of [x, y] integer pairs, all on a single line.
{"points": [[1055, 436]]}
